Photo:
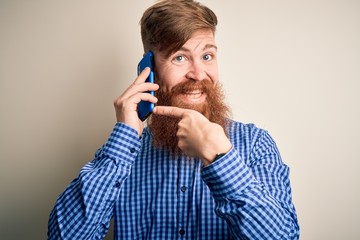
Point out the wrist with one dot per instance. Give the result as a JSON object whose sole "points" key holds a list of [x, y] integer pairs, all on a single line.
{"points": [[218, 156], [212, 157]]}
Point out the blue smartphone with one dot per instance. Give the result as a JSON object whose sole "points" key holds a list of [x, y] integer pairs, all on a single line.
{"points": [[145, 108]]}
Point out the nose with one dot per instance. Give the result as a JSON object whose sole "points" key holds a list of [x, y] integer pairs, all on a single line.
{"points": [[196, 71]]}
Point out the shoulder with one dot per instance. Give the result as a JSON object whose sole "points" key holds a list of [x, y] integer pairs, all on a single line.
{"points": [[246, 131], [251, 141]]}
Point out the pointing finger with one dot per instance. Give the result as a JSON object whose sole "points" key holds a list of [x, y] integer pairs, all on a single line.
{"points": [[169, 111]]}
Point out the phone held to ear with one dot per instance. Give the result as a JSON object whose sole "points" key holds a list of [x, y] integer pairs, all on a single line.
{"points": [[145, 108]]}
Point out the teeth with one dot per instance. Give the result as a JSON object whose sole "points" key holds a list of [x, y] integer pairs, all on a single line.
{"points": [[194, 94]]}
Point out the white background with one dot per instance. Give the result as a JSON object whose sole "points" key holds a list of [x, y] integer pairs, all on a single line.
{"points": [[291, 67]]}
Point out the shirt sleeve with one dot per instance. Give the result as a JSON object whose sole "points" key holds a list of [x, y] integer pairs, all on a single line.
{"points": [[85, 208], [254, 197]]}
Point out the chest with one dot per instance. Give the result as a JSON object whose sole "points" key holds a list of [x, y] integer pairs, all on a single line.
{"points": [[165, 198]]}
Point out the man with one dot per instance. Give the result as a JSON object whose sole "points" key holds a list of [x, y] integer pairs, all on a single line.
{"points": [[193, 173]]}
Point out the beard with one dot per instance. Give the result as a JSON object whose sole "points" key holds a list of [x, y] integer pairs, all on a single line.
{"points": [[164, 128]]}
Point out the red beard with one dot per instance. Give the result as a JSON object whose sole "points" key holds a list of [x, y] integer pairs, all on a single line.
{"points": [[164, 128]]}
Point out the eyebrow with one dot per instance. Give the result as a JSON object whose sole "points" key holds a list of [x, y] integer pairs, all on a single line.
{"points": [[207, 46]]}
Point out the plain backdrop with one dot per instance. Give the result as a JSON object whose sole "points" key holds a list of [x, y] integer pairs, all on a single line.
{"points": [[289, 66]]}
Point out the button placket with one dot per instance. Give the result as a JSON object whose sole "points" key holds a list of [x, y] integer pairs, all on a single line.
{"points": [[186, 171]]}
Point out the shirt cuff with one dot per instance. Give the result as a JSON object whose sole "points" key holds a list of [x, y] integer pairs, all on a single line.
{"points": [[228, 176], [123, 144]]}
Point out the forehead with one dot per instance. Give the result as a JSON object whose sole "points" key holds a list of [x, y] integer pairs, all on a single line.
{"points": [[200, 41]]}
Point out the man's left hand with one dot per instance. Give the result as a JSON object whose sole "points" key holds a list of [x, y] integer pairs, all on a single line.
{"points": [[197, 136]]}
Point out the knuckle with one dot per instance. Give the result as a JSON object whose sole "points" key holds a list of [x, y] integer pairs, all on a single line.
{"points": [[120, 103], [172, 111], [117, 101], [181, 145]]}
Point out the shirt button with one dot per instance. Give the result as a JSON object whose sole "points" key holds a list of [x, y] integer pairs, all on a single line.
{"points": [[181, 232], [118, 184], [132, 150], [183, 188]]}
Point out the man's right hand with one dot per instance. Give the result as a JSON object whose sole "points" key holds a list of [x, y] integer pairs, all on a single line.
{"points": [[126, 104]]}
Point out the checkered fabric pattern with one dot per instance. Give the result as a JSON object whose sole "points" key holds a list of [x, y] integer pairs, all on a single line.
{"points": [[152, 194]]}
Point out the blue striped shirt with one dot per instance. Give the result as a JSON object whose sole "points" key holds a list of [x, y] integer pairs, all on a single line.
{"points": [[245, 194]]}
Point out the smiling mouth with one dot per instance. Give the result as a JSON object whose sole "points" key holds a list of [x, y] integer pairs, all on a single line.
{"points": [[194, 96]]}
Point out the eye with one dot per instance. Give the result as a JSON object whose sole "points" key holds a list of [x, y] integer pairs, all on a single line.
{"points": [[179, 58], [207, 57]]}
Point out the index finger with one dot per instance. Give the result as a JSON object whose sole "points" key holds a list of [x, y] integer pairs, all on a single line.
{"points": [[169, 111], [142, 76]]}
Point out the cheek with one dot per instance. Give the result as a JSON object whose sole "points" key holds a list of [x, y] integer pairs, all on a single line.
{"points": [[169, 79], [213, 74]]}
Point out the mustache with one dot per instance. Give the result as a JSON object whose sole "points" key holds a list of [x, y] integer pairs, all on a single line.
{"points": [[205, 86]]}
